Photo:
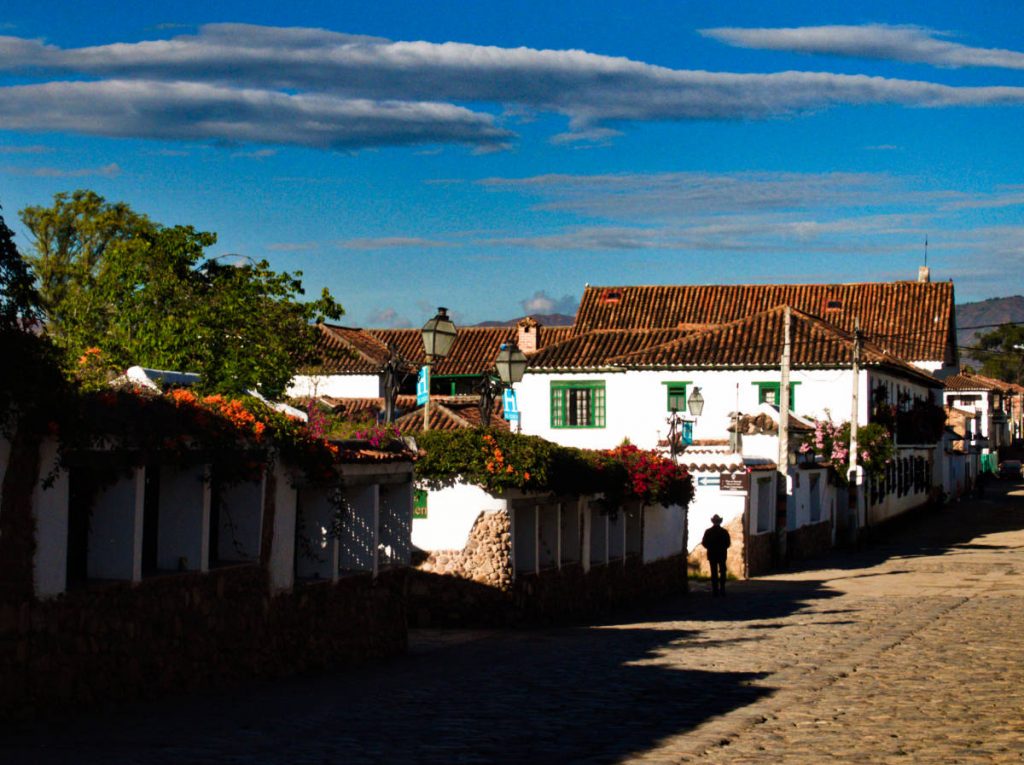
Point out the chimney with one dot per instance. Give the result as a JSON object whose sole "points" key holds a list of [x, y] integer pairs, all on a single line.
{"points": [[924, 274], [528, 335]]}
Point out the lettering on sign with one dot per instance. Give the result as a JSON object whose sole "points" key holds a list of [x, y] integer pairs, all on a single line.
{"points": [[734, 482]]}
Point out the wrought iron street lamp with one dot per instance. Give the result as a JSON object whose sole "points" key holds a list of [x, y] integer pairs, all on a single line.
{"points": [[511, 366], [439, 334]]}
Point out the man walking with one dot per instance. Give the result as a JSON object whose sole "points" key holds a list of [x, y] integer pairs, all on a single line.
{"points": [[716, 541]]}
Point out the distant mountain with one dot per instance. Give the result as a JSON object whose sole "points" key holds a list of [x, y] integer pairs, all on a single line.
{"points": [[545, 319], [991, 311]]}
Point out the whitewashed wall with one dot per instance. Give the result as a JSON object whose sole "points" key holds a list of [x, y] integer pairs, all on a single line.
{"points": [[451, 513], [336, 386], [636, 402], [663, 531], [282, 546], [50, 506], [893, 505], [799, 508], [709, 500]]}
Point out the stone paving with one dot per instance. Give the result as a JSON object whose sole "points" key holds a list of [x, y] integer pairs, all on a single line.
{"points": [[907, 651]]}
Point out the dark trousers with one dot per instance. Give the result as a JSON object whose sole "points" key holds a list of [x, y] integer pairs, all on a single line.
{"points": [[717, 576]]}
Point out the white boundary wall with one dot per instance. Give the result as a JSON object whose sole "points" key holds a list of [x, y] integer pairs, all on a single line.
{"points": [[451, 513], [335, 386]]}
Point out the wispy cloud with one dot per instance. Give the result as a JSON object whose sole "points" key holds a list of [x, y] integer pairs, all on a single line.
{"points": [[35, 149], [542, 302], [325, 89], [748, 212], [198, 111], [389, 243], [387, 317], [292, 246], [257, 154], [912, 44], [106, 171]]}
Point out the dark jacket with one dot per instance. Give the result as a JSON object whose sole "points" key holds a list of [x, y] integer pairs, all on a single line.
{"points": [[716, 541]]}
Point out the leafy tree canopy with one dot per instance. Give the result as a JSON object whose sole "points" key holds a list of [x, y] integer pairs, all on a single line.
{"points": [[144, 293], [30, 381], [1002, 353], [19, 301]]}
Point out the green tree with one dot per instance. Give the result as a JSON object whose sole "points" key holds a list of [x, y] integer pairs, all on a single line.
{"points": [[19, 301], [147, 294], [30, 381], [1002, 353]]}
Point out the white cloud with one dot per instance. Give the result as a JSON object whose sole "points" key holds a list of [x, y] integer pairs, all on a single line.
{"points": [[387, 318], [388, 242], [106, 171], [352, 91], [878, 41], [35, 149], [542, 303], [291, 246], [199, 111], [257, 154]]}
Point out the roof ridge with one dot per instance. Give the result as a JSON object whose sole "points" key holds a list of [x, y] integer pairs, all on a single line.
{"points": [[357, 351]]}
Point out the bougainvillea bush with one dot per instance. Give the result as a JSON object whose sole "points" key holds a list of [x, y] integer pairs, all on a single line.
{"points": [[496, 461], [829, 444], [234, 435]]}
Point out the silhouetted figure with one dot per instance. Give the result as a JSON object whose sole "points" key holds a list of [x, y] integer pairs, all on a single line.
{"points": [[716, 541]]}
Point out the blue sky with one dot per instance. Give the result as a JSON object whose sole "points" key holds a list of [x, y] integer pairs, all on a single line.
{"points": [[495, 157]]}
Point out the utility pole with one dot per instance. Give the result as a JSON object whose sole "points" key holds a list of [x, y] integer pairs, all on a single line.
{"points": [[854, 414], [784, 392], [782, 495]]}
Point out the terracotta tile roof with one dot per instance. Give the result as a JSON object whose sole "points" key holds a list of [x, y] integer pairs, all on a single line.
{"points": [[355, 452], [756, 342], [349, 349], [352, 350], [451, 413], [595, 350], [965, 381], [911, 320]]}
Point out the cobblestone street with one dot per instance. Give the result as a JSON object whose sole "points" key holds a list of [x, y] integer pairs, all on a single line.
{"points": [[910, 650]]}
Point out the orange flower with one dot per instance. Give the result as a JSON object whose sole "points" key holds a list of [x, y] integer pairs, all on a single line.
{"points": [[182, 396], [526, 476], [509, 469]]}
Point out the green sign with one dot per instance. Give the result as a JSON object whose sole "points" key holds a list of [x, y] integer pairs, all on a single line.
{"points": [[419, 504]]}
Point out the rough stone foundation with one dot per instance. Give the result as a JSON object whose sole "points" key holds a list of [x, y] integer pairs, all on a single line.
{"points": [[734, 559], [118, 641], [475, 586]]}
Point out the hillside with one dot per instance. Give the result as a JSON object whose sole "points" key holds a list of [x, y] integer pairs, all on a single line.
{"points": [[991, 311], [545, 319]]}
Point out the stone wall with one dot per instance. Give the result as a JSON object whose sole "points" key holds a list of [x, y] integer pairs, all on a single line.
{"points": [[734, 559], [181, 631], [475, 586], [760, 553], [486, 558], [809, 541]]}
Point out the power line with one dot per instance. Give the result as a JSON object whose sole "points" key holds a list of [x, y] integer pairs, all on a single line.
{"points": [[986, 326]]}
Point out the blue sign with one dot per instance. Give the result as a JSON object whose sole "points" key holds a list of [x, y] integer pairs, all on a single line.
{"points": [[510, 405], [423, 386], [686, 432]]}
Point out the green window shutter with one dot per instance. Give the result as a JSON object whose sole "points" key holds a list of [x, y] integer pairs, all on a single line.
{"points": [[557, 406], [675, 396], [771, 393], [578, 404]]}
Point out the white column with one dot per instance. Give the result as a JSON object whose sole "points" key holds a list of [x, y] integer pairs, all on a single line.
{"points": [[282, 546], [115, 535], [50, 506], [183, 535]]}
